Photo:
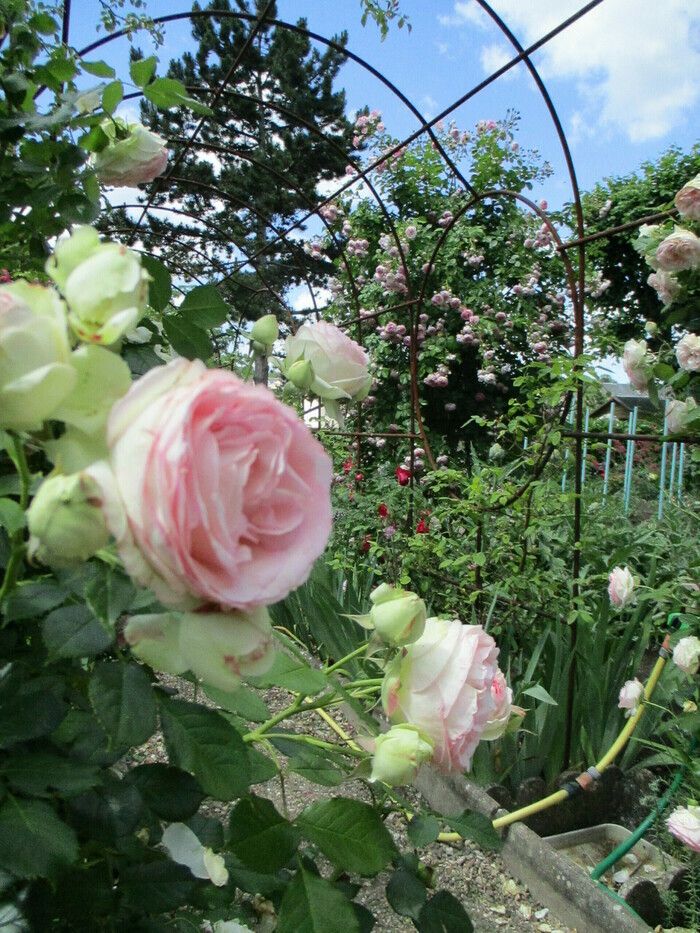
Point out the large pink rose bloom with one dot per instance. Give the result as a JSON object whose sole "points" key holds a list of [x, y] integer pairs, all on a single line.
{"points": [[442, 685], [680, 250], [684, 824], [215, 491]]}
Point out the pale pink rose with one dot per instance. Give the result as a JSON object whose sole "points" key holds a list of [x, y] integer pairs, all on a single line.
{"points": [[503, 698], [688, 199], [620, 586], [631, 695], [215, 491], [678, 414], [133, 156], [665, 285], [688, 353], [339, 365], [684, 824], [686, 654], [636, 362], [680, 250], [442, 685]]}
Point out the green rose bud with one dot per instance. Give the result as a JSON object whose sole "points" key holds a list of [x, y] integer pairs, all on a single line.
{"points": [[398, 755], [105, 288], [36, 373], [264, 333], [301, 374], [651, 327], [65, 521], [496, 452], [397, 615]]}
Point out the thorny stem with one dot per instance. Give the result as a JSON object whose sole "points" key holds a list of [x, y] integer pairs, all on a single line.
{"points": [[17, 539]]}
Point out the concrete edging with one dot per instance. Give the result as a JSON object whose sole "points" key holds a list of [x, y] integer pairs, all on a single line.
{"points": [[552, 879]]}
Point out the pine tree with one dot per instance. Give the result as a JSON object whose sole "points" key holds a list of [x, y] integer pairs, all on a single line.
{"points": [[278, 130]]}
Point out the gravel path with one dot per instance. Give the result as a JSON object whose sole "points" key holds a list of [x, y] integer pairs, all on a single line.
{"points": [[493, 899]]}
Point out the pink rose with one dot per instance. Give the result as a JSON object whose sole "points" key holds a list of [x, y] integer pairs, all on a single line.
{"points": [[442, 685], [684, 824], [688, 353], [631, 696], [133, 156], [688, 199], [665, 285], [502, 696], [620, 586], [215, 491], [680, 250]]}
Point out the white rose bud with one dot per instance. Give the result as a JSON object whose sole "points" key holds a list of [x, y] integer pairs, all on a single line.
{"points": [[264, 333], [104, 285], [397, 615], [686, 654], [688, 353], [36, 374], [680, 250], [398, 755], [65, 521], [134, 155], [620, 586], [688, 199]]}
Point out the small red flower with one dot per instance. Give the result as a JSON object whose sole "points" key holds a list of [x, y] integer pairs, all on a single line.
{"points": [[383, 510], [359, 477], [422, 528], [403, 476], [5, 276], [366, 543], [347, 466]]}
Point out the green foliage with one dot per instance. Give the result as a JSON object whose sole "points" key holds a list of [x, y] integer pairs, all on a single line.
{"points": [[349, 833]]}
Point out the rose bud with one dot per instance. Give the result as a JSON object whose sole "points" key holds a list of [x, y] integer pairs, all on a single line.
{"points": [[398, 755], [620, 586], [301, 375], [264, 333]]}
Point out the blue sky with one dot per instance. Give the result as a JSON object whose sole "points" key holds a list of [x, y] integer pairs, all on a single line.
{"points": [[625, 79]]}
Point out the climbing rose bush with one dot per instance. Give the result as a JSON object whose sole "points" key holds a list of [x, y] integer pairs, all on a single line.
{"points": [[215, 491], [133, 155], [442, 685]]}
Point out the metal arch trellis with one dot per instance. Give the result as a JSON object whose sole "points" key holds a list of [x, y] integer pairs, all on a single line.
{"points": [[574, 272]]}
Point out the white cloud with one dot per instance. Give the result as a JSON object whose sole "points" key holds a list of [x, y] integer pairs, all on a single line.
{"points": [[465, 12], [496, 55], [636, 62]]}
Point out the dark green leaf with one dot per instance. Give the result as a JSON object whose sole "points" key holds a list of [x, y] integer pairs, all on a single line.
{"points": [[33, 600], [34, 842], [201, 741], [112, 96], [349, 833], [204, 307], [245, 703], [422, 830], [156, 887], [29, 715], [313, 905], [142, 71], [160, 287], [292, 674], [320, 766], [406, 893], [254, 882], [172, 794], [186, 338], [94, 140], [42, 773], [74, 632], [261, 838], [99, 69], [444, 914], [11, 515], [110, 594], [478, 828], [262, 768], [122, 697], [109, 813]]}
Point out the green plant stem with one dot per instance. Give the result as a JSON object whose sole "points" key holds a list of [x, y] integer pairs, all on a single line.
{"points": [[317, 743], [296, 707], [17, 540], [348, 657]]}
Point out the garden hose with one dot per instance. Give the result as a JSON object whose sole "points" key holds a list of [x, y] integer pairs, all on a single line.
{"points": [[634, 838], [586, 779]]}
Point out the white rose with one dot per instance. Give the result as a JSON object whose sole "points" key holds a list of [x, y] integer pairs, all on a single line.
{"points": [[104, 285], [631, 695], [677, 414], [688, 353], [620, 586], [134, 155], [665, 285], [686, 654], [340, 366], [680, 250], [36, 374], [636, 361]]}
